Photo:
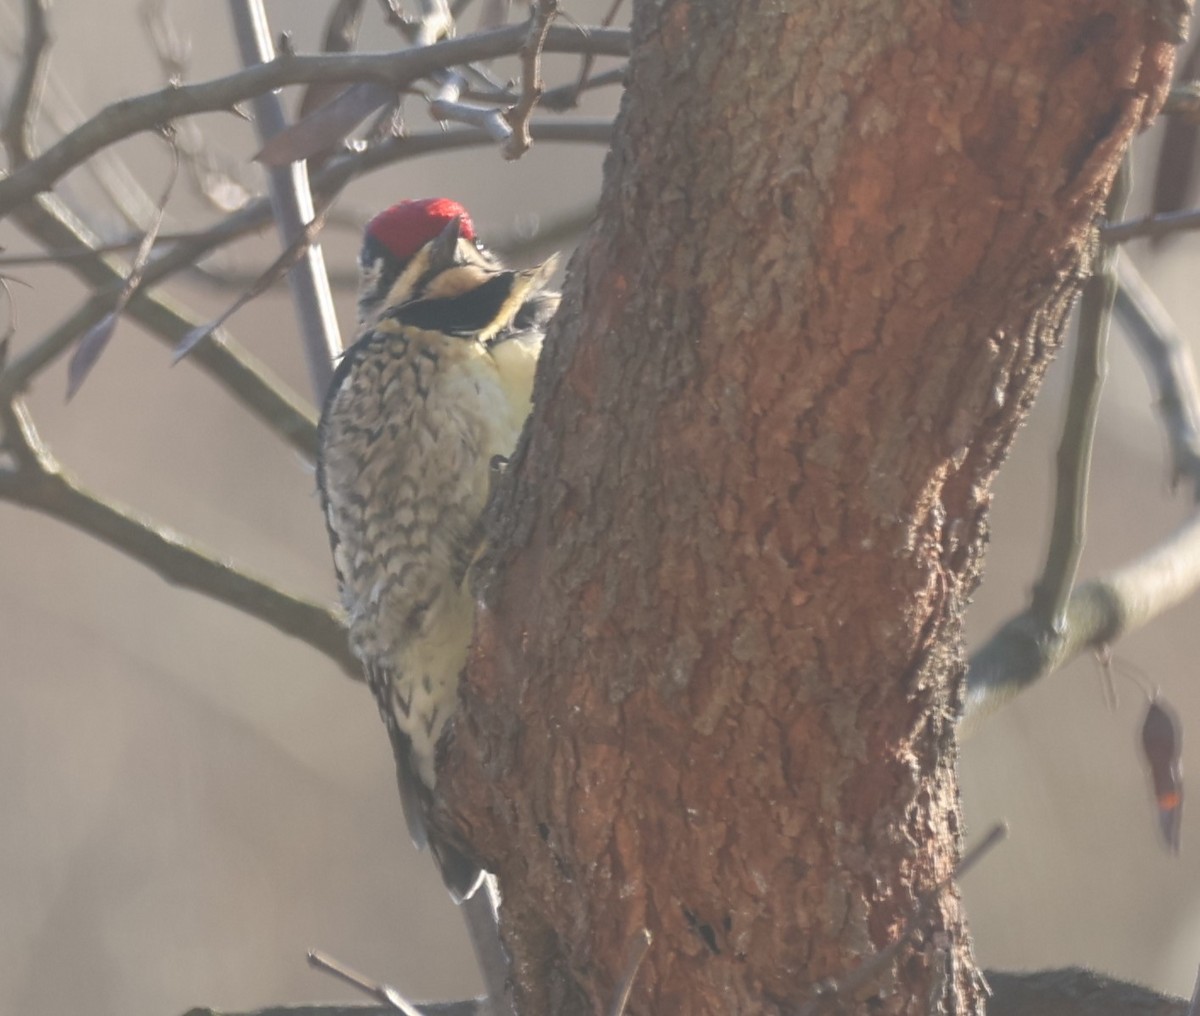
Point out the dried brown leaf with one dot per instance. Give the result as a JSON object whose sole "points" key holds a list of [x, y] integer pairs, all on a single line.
{"points": [[1162, 745]]}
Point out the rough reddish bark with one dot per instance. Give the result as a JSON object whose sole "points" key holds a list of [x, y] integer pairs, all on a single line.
{"points": [[715, 681]]}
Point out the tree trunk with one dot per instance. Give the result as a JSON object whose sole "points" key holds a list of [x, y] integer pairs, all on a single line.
{"points": [[716, 676]]}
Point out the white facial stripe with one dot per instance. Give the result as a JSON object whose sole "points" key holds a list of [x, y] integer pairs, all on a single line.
{"points": [[524, 282], [402, 288], [454, 281]]}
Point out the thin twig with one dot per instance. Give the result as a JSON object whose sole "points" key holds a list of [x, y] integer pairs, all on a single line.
{"points": [[387, 995], [10, 324], [1053, 589], [64, 254], [445, 105], [220, 183], [293, 252], [1167, 359], [132, 116], [518, 246], [23, 106], [183, 249], [1151, 225], [992, 838], [60, 114], [567, 96], [39, 482], [93, 342], [1099, 612], [571, 99], [292, 203], [584, 130], [171, 49], [532, 86], [436, 22], [248, 381]]}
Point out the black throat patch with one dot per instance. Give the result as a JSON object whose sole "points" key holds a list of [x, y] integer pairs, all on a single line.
{"points": [[476, 310]]}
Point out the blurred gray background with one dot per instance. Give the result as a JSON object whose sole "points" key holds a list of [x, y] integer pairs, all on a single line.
{"points": [[189, 801]]}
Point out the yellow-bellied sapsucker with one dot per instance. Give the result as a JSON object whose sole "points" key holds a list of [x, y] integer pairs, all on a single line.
{"points": [[436, 386]]}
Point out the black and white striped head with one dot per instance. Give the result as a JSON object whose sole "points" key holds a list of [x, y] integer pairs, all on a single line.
{"points": [[410, 251]]}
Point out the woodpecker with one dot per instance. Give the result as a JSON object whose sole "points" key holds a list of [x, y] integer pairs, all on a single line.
{"points": [[435, 388]]}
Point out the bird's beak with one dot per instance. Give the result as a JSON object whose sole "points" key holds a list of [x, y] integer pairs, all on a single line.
{"points": [[443, 248]]}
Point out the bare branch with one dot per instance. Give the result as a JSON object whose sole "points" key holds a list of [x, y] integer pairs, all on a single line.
{"points": [[518, 245], [17, 373], [95, 339], [340, 36], [10, 324], [1166, 357], [1098, 613], [292, 203], [532, 86], [61, 255], [171, 49], [187, 248], [389, 996], [23, 107], [567, 96], [39, 482], [247, 380], [1075, 449], [292, 253], [222, 185], [242, 375], [340, 171], [60, 114], [321, 132], [459, 7], [132, 116], [570, 93], [1151, 225], [557, 99], [446, 106]]}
